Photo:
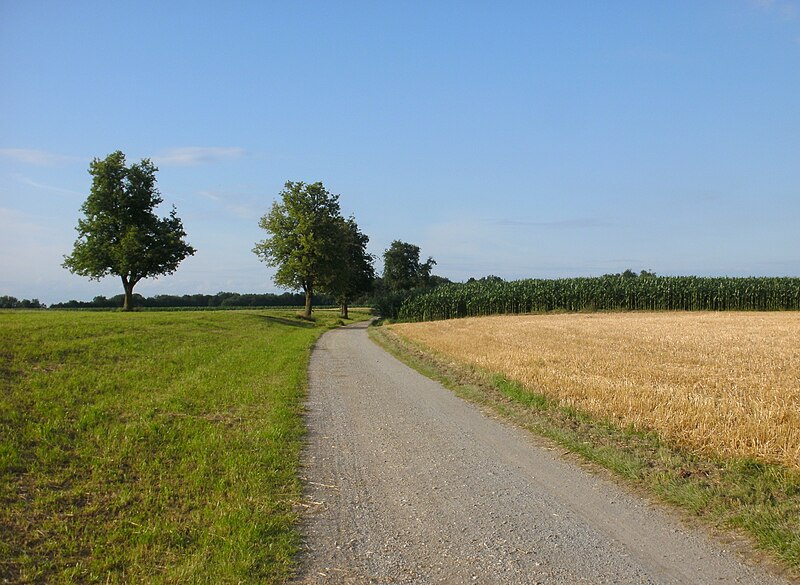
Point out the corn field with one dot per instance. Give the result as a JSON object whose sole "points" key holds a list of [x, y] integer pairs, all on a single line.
{"points": [[606, 293]]}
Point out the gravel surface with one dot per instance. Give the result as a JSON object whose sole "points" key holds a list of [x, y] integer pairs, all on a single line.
{"points": [[407, 483]]}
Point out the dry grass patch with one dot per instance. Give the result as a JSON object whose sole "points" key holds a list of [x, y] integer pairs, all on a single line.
{"points": [[717, 383]]}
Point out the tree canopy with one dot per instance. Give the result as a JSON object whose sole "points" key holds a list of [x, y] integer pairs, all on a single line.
{"points": [[402, 269], [9, 302], [219, 300], [354, 273], [312, 246], [121, 234], [628, 273]]}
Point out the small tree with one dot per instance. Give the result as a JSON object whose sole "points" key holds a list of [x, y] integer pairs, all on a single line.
{"points": [[304, 228], [8, 302], [354, 273], [402, 269], [121, 234]]}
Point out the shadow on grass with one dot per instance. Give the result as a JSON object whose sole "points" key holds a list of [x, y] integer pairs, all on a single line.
{"points": [[289, 322]]}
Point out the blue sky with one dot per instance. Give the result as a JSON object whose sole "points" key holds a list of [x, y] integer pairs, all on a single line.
{"points": [[522, 139]]}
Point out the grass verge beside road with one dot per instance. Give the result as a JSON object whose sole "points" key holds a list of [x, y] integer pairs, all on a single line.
{"points": [[758, 499], [151, 447]]}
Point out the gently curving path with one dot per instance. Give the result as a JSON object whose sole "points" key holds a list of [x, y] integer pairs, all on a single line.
{"points": [[409, 484]]}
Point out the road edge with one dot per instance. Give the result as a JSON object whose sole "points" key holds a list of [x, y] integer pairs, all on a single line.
{"points": [[642, 463]]}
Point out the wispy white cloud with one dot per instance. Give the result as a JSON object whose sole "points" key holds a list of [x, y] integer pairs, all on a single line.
{"points": [[14, 220], [37, 245], [561, 224], [239, 201], [197, 155], [785, 9], [184, 156], [31, 183], [36, 157], [213, 195]]}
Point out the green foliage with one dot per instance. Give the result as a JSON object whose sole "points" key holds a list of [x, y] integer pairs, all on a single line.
{"points": [[628, 273], [313, 247], [121, 234], [387, 304], [402, 269], [354, 273], [151, 447], [487, 279], [218, 300], [404, 277], [613, 292], [9, 302], [304, 229]]}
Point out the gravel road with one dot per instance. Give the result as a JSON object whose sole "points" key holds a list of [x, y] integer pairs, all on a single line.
{"points": [[409, 484]]}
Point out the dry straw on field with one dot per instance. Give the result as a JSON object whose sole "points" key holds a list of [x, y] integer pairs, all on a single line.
{"points": [[718, 382]]}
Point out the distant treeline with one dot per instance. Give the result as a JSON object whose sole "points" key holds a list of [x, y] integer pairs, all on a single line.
{"points": [[221, 299], [7, 302], [624, 292]]}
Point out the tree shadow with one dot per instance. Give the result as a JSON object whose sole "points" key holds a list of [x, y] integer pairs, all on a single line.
{"points": [[290, 322]]}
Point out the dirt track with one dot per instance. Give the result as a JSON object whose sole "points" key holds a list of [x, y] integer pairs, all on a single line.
{"points": [[409, 484]]}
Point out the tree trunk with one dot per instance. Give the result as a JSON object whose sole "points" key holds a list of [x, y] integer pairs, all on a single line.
{"points": [[309, 295], [128, 286]]}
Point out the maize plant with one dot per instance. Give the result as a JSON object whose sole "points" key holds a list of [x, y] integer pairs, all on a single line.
{"points": [[605, 293]]}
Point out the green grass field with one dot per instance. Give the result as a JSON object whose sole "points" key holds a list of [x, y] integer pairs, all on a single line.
{"points": [[151, 447]]}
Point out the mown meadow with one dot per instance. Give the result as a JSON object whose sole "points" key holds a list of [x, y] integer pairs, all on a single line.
{"points": [[151, 447]]}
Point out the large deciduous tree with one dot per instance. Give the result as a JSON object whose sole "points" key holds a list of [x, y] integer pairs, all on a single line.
{"points": [[121, 234], [402, 269], [354, 272], [304, 243]]}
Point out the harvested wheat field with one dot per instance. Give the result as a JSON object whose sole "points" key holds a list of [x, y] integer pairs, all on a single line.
{"points": [[725, 383]]}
